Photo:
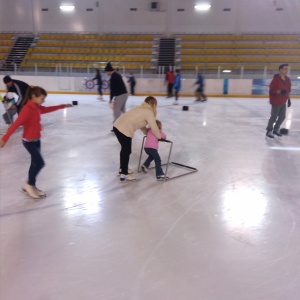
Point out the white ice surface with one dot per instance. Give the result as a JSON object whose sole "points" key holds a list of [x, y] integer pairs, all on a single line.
{"points": [[228, 232]]}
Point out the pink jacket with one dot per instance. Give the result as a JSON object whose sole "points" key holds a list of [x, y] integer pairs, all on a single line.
{"points": [[152, 141]]}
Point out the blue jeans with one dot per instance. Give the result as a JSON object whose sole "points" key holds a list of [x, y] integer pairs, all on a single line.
{"points": [[153, 155], [37, 161]]}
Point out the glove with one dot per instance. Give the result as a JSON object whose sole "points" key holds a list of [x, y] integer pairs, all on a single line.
{"points": [[283, 92], [289, 103]]}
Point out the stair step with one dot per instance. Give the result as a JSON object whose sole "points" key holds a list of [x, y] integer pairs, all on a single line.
{"points": [[17, 53]]}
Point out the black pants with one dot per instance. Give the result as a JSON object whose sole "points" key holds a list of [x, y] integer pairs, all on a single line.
{"points": [[100, 89], [200, 93], [170, 89], [132, 85], [125, 152], [37, 161]]}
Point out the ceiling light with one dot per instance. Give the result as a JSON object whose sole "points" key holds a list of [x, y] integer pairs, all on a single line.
{"points": [[202, 7], [67, 7], [226, 71], [298, 77]]}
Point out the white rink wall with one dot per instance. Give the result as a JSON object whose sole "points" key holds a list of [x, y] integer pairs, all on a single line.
{"points": [[144, 86]]}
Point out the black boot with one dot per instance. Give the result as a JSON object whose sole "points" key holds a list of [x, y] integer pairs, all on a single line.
{"points": [[276, 132]]}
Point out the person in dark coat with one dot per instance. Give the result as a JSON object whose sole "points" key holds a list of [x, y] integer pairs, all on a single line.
{"points": [[18, 87], [132, 82], [279, 95], [99, 83], [118, 91]]}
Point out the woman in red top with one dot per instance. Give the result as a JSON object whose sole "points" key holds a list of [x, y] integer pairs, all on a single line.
{"points": [[30, 118]]}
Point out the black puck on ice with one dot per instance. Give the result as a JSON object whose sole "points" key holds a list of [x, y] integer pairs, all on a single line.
{"points": [[75, 102], [284, 131], [185, 108]]}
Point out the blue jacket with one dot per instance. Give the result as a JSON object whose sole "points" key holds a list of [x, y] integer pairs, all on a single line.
{"points": [[200, 80], [177, 83]]}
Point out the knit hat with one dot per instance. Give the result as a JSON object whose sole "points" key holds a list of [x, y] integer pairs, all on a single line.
{"points": [[9, 96], [109, 68], [7, 79]]}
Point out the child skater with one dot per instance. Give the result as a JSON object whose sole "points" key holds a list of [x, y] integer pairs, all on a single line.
{"points": [[30, 117], [151, 147], [177, 86], [9, 103]]}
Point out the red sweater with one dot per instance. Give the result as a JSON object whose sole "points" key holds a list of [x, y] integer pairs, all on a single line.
{"points": [[30, 117], [278, 84], [170, 77]]}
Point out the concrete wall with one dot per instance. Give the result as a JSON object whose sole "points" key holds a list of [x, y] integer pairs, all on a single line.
{"points": [[114, 16]]}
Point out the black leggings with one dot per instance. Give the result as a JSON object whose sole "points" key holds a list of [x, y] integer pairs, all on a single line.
{"points": [[100, 89], [37, 161], [125, 152]]}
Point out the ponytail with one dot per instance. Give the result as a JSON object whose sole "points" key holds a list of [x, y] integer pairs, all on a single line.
{"points": [[33, 90], [153, 103]]}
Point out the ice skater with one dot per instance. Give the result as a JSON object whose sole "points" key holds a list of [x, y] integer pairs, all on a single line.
{"points": [[131, 80], [30, 117], [169, 79], [279, 95], [125, 126], [177, 85], [200, 96], [151, 148], [99, 83], [118, 91]]}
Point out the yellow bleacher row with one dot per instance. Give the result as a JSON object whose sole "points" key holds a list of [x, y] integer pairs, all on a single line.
{"points": [[87, 50], [221, 37], [83, 65], [6, 36], [240, 52], [6, 43], [295, 45], [241, 59], [114, 37], [4, 50], [2, 56], [88, 58], [84, 44]]}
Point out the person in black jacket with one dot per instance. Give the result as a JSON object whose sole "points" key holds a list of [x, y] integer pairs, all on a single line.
{"points": [[132, 82], [118, 91], [18, 87], [99, 83]]}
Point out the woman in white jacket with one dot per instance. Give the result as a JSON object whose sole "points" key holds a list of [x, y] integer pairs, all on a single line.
{"points": [[125, 126]]}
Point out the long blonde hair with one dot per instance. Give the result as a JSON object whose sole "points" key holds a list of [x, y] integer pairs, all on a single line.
{"points": [[152, 103]]}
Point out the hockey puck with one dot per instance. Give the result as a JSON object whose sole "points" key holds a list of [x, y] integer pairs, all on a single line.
{"points": [[185, 108], [284, 131], [75, 102]]}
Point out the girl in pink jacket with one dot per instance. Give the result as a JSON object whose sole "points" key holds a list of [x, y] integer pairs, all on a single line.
{"points": [[151, 147]]}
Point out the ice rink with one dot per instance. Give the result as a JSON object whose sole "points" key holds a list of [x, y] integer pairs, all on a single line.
{"points": [[231, 231]]}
